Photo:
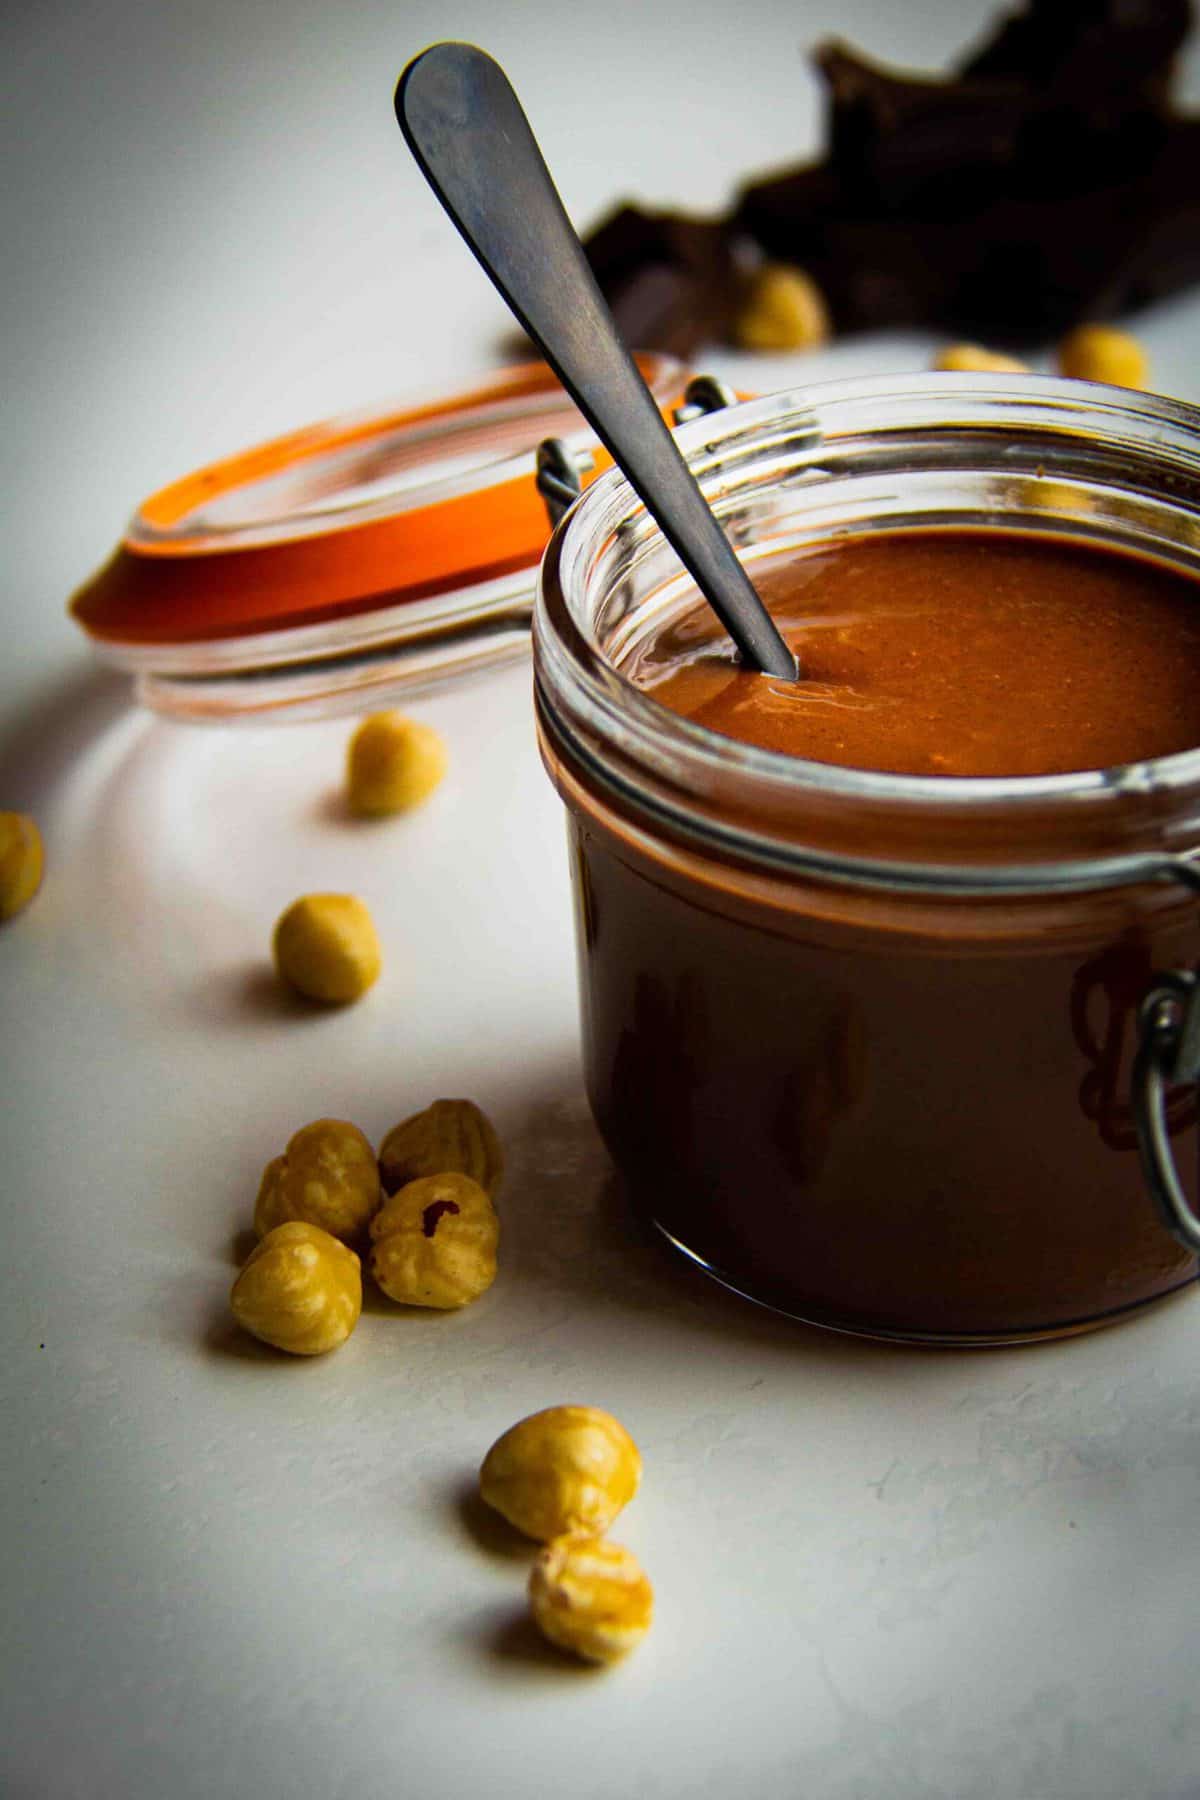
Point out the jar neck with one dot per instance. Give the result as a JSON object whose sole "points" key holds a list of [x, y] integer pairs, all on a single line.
{"points": [[1029, 454]]}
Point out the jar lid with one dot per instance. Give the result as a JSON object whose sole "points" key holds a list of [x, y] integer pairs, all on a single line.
{"points": [[315, 572]]}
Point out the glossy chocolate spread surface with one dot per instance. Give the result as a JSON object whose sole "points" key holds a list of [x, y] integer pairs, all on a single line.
{"points": [[957, 652]]}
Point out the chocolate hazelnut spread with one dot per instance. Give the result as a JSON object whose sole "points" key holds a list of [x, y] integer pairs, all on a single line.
{"points": [[954, 653], [859, 1032]]}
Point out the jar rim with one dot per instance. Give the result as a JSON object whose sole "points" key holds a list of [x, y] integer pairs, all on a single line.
{"points": [[581, 686]]}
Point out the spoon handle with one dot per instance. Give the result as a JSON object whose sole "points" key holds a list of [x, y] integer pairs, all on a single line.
{"points": [[465, 127]]}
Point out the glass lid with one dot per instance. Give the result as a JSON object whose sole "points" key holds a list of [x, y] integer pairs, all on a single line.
{"points": [[315, 571]]}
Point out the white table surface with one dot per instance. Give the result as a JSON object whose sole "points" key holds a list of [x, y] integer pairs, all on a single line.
{"points": [[880, 1573]]}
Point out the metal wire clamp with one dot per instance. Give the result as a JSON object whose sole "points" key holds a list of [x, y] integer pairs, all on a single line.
{"points": [[1168, 1055], [559, 475], [560, 470]]}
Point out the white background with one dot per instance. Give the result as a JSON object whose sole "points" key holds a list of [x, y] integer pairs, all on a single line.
{"points": [[881, 1573]]}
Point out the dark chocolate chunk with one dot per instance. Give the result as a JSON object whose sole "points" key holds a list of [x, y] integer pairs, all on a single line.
{"points": [[670, 281], [899, 143], [1046, 181], [1097, 49]]}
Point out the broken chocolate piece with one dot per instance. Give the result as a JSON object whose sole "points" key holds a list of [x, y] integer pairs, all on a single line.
{"points": [[1047, 181], [670, 281], [1071, 43], [903, 143]]}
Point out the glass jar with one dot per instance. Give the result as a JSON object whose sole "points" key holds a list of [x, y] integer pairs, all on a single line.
{"points": [[861, 1044]]}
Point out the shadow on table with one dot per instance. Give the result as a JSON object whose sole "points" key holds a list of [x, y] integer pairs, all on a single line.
{"points": [[507, 1641], [569, 1224], [487, 1529], [570, 1227], [223, 1336], [56, 729], [247, 994]]}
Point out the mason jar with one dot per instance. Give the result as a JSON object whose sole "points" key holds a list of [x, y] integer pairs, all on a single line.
{"points": [[894, 1054]]}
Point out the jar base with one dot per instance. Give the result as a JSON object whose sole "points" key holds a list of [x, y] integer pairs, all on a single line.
{"points": [[933, 1340]]}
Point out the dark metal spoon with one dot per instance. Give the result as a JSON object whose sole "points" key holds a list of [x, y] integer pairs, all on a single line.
{"points": [[464, 124]]}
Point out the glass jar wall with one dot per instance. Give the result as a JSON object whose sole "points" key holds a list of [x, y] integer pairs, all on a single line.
{"points": [[860, 1044]]}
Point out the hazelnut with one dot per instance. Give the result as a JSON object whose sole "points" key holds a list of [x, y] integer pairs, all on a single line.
{"points": [[1101, 353], [393, 763], [435, 1242], [300, 1290], [976, 359], [326, 947], [590, 1597], [450, 1134], [782, 309], [566, 1471], [21, 862], [327, 1176]]}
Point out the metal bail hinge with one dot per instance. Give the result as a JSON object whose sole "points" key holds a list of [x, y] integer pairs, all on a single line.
{"points": [[560, 472], [560, 469], [703, 394], [1168, 1055]]}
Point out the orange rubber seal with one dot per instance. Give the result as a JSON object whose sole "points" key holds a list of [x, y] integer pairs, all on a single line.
{"points": [[170, 583]]}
